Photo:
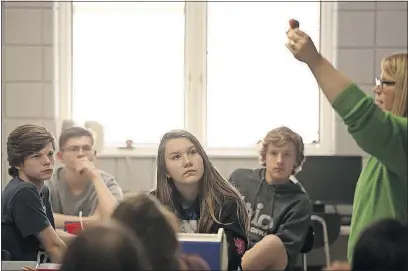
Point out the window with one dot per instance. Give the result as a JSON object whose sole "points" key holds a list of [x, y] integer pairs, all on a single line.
{"points": [[128, 68], [218, 69], [253, 82]]}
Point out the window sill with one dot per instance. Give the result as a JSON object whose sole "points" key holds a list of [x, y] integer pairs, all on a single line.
{"points": [[242, 153]]}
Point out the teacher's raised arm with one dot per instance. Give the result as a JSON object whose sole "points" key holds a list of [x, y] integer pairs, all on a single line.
{"points": [[332, 81], [379, 127]]}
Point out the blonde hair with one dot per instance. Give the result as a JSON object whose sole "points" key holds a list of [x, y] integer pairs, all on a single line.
{"points": [[279, 137], [396, 67]]}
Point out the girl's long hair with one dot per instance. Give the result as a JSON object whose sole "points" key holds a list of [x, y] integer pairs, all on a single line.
{"points": [[214, 190]]}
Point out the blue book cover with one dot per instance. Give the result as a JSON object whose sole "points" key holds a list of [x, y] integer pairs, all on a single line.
{"points": [[212, 248]]}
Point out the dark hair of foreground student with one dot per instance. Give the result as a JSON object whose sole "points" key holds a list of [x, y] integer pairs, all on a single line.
{"points": [[107, 247], [382, 246]]}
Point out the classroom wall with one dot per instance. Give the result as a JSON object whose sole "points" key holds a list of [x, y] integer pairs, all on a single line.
{"points": [[364, 33]]}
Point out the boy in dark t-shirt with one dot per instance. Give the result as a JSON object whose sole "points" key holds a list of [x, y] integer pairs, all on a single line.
{"points": [[27, 223], [21, 203]]}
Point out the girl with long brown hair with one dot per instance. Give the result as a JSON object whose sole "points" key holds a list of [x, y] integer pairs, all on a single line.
{"points": [[191, 187]]}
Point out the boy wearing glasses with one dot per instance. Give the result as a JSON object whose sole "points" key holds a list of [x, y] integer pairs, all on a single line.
{"points": [[79, 187]]}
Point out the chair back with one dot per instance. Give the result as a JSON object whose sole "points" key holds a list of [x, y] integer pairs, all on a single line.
{"points": [[309, 240], [333, 223]]}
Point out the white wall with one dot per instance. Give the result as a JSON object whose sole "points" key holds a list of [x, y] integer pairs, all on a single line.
{"points": [[27, 68], [365, 32]]}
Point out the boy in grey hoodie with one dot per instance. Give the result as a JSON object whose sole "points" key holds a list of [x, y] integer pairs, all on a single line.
{"points": [[278, 206]]}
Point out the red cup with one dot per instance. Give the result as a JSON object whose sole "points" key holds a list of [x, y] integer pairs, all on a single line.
{"points": [[73, 227]]}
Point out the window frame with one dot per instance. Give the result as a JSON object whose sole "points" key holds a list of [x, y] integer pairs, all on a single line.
{"points": [[195, 100]]}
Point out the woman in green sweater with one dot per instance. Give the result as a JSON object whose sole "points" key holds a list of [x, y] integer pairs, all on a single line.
{"points": [[378, 126]]}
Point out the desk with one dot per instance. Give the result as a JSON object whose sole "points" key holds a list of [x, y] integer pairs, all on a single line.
{"points": [[16, 265]]}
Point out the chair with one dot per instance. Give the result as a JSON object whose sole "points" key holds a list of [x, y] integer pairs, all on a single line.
{"points": [[326, 245], [5, 255], [307, 247], [324, 231]]}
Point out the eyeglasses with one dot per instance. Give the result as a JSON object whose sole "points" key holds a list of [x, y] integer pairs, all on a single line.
{"points": [[76, 149], [380, 82]]}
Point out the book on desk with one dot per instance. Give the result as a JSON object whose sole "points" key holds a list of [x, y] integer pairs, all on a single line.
{"points": [[213, 248]]}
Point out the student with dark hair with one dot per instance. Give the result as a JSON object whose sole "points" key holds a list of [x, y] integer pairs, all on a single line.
{"points": [[146, 217], [106, 247], [156, 228], [27, 222], [382, 246], [78, 186]]}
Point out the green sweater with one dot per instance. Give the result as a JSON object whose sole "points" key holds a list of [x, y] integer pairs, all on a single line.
{"points": [[381, 191]]}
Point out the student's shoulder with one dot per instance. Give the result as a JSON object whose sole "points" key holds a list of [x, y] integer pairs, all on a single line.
{"points": [[242, 171], [20, 190], [55, 178], [248, 172], [302, 191], [241, 175], [303, 201], [16, 185], [106, 177]]}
